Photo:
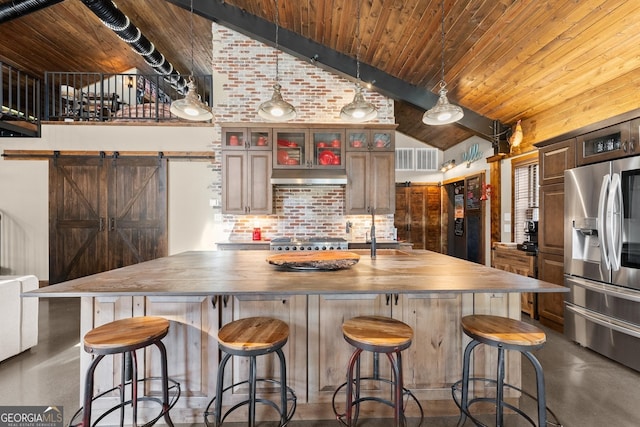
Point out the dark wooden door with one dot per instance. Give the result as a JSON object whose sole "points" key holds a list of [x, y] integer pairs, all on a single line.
{"points": [[77, 215], [105, 213], [417, 215], [137, 208]]}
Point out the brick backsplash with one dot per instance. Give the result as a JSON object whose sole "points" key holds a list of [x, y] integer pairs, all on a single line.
{"points": [[244, 74]]}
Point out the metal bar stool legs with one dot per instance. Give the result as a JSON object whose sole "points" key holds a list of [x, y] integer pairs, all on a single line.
{"points": [[503, 334], [252, 337], [124, 337], [379, 335]]}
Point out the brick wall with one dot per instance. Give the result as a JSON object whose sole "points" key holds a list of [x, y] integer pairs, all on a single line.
{"points": [[244, 73]]}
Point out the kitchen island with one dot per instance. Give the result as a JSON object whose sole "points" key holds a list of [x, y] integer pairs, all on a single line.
{"points": [[200, 291]]}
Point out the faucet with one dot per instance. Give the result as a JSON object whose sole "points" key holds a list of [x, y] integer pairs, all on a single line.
{"points": [[373, 234]]}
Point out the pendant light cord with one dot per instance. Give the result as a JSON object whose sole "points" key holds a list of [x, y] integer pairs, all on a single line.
{"points": [[277, 31], [191, 24], [359, 44], [442, 83]]}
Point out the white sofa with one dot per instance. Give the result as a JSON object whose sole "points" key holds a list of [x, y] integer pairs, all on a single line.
{"points": [[18, 316]]}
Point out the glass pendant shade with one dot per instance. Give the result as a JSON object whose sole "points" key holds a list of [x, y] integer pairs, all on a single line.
{"points": [[358, 110], [277, 109], [442, 113], [191, 106]]}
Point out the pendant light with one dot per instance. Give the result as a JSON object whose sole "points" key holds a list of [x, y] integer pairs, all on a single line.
{"points": [[191, 106], [358, 110], [442, 113], [277, 109]]}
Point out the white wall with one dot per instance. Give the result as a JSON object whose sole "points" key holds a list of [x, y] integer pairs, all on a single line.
{"points": [[24, 187]]}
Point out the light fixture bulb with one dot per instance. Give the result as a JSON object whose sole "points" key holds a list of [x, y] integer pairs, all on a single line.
{"points": [[191, 106], [442, 113], [277, 109], [358, 110]]}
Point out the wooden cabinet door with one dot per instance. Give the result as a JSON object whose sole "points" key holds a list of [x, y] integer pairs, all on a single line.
{"points": [[137, 218], [246, 183], [291, 309], [551, 305], [77, 217], [555, 159], [370, 183], [328, 352], [382, 196], [105, 213], [259, 190], [356, 193], [233, 182], [434, 360], [551, 221]]}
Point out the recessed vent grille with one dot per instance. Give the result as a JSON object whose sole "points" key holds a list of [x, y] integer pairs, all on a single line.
{"points": [[426, 159], [404, 159]]}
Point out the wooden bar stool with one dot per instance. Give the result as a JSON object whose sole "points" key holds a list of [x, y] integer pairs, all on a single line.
{"points": [[252, 337], [378, 335], [124, 337], [504, 334]]}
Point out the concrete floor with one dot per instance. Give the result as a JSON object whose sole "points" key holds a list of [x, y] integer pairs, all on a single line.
{"points": [[584, 389]]}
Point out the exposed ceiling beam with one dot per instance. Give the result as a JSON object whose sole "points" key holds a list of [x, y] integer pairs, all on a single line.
{"points": [[328, 59]]}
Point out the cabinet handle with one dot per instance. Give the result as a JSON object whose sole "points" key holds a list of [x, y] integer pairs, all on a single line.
{"points": [[112, 224], [101, 224], [387, 298], [625, 146], [395, 299], [214, 301], [632, 145], [225, 300]]}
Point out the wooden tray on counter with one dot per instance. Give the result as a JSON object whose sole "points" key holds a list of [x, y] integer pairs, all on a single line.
{"points": [[315, 260]]}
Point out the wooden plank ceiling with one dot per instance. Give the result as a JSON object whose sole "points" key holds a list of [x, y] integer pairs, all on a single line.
{"points": [[558, 65]]}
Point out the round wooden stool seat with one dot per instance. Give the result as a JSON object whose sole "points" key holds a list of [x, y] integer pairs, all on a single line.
{"points": [[125, 335], [249, 338], [123, 338], [253, 335], [377, 334], [495, 330], [504, 334]]}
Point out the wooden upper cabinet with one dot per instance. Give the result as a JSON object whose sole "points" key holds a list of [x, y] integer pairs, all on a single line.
{"points": [[246, 182], [555, 159], [370, 183]]}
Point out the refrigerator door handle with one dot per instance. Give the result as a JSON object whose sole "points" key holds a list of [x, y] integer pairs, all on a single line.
{"points": [[614, 222], [605, 289], [607, 322], [602, 217]]}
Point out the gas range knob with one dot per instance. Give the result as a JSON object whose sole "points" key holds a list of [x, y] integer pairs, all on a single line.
{"points": [[317, 248], [302, 248]]}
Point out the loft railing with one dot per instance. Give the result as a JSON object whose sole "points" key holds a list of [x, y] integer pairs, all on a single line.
{"points": [[20, 95], [114, 97]]}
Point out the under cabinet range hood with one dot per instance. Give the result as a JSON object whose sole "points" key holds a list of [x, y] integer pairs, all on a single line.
{"points": [[309, 177]]}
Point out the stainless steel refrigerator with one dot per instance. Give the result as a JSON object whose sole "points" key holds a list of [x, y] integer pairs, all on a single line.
{"points": [[602, 258]]}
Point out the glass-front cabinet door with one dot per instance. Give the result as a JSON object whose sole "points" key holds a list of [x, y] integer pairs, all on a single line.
{"points": [[316, 148], [370, 139], [327, 148], [290, 148], [246, 139]]}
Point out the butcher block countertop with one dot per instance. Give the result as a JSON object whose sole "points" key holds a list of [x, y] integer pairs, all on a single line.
{"points": [[249, 273]]}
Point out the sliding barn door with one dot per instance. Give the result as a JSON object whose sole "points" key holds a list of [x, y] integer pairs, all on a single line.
{"points": [[105, 213], [137, 209]]}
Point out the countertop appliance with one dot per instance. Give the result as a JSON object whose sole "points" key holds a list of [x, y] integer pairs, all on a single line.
{"points": [[530, 243], [602, 258], [309, 244]]}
